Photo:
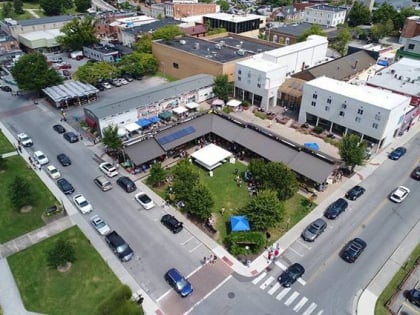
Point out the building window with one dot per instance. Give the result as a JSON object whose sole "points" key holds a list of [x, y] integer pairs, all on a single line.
{"points": [[411, 46], [239, 78], [378, 117], [344, 106], [341, 114], [259, 85], [249, 74], [329, 100], [239, 72], [175, 65], [360, 111], [375, 125], [314, 96], [313, 103], [327, 108], [358, 119]]}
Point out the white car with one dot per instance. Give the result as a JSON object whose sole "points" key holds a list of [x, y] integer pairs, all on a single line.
{"points": [[53, 172], [24, 139], [399, 194], [99, 224], [109, 169], [106, 85], [123, 81], [40, 157], [82, 204], [144, 200]]}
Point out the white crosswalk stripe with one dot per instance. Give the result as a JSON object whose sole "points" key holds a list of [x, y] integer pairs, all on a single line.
{"points": [[259, 278], [266, 283], [310, 309], [301, 281], [280, 265], [282, 294], [291, 298], [275, 287], [320, 312], [301, 303]]}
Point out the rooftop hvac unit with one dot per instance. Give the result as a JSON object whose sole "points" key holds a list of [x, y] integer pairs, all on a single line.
{"points": [[218, 46], [182, 42], [196, 45], [241, 52], [222, 42]]}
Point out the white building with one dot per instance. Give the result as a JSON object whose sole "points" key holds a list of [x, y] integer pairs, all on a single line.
{"points": [[257, 79], [325, 15], [343, 108]]}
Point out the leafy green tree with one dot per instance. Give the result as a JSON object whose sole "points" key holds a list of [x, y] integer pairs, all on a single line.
{"points": [[315, 29], [18, 7], [185, 179], [157, 175], [352, 150], [78, 33], [222, 87], [82, 5], [51, 7], [167, 32], [32, 72], [264, 211], [66, 4], [62, 253], [144, 44], [138, 64], [3, 163], [359, 14], [402, 15], [200, 202], [224, 5], [119, 302], [377, 31], [343, 38], [281, 179], [93, 72], [111, 139], [257, 170], [7, 10], [384, 13]]}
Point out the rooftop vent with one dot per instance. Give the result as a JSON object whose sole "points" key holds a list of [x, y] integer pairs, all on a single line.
{"points": [[241, 52], [218, 46], [196, 46], [182, 42]]}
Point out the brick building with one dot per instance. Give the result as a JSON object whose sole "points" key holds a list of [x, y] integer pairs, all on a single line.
{"points": [[410, 29]]}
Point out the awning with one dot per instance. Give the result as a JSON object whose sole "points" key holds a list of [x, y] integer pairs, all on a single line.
{"points": [[143, 122], [180, 110], [154, 119], [234, 103], [165, 115], [90, 122], [218, 102], [192, 105], [132, 127]]}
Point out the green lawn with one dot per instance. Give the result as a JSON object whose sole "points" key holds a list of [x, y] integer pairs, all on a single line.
{"points": [[13, 223], [77, 291], [5, 145]]}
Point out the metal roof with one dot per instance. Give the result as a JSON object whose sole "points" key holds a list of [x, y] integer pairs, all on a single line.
{"points": [[148, 150], [68, 90], [47, 20]]}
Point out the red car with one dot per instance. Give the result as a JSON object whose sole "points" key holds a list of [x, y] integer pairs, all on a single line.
{"points": [[79, 57], [65, 66]]}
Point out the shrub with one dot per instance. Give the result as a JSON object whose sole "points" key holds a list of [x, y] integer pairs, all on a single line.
{"points": [[261, 115], [318, 129], [237, 241], [119, 303]]}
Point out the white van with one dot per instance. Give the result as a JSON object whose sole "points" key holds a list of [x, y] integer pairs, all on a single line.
{"points": [[75, 54]]}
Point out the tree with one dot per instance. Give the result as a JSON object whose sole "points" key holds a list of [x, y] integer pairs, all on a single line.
{"points": [[82, 5], [257, 170], [224, 5], [137, 64], [18, 7], [281, 179], [61, 254], [93, 72], [200, 202], [222, 87], [342, 39], [315, 29], [2, 163], [167, 32], [7, 10], [157, 175], [359, 14], [78, 33], [185, 179], [402, 15], [111, 139], [385, 12], [352, 150], [20, 193], [377, 32], [144, 44], [264, 211], [31, 72], [51, 7], [119, 302]]}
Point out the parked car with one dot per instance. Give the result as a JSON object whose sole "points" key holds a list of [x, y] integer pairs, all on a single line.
{"points": [[399, 194], [314, 230], [336, 208], [103, 183], [397, 153], [352, 250], [57, 60], [65, 186], [100, 225], [59, 128], [71, 137], [413, 296], [65, 66], [24, 140], [53, 172], [355, 192], [127, 184], [119, 246], [128, 77], [100, 87], [106, 85], [172, 223], [123, 81], [116, 82], [109, 169], [415, 174], [66, 73], [291, 274], [178, 282], [144, 200], [64, 159], [82, 204], [6, 88], [40, 157]]}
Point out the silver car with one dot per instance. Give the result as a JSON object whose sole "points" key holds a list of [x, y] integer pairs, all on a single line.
{"points": [[314, 230]]}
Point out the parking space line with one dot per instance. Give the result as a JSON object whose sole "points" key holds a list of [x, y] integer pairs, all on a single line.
{"points": [[303, 244], [191, 250], [291, 298], [183, 243], [274, 288], [294, 250], [282, 294], [163, 295], [258, 279], [266, 283], [310, 309], [301, 303], [279, 264]]}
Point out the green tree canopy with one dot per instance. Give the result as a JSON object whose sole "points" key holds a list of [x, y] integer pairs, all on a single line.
{"points": [[7, 10], [315, 29], [20, 193], [402, 15], [222, 87], [137, 64], [264, 211], [52, 7], [82, 5], [18, 7], [384, 13], [224, 5], [111, 139], [32, 72], [185, 179], [157, 175], [352, 150], [167, 32], [78, 33], [200, 202], [118, 303], [93, 72], [341, 41], [61, 254], [3, 163], [359, 14], [144, 44]]}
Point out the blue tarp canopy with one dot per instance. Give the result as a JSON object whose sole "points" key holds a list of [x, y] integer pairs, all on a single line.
{"points": [[383, 63], [239, 223], [312, 145], [154, 119], [143, 122]]}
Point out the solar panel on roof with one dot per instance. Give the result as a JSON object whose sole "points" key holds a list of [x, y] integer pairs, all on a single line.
{"points": [[176, 135]]}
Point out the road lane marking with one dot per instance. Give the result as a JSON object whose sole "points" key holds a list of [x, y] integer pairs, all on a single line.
{"points": [[274, 288], [310, 309], [191, 250], [163, 295], [279, 264], [258, 279], [282, 294], [266, 283], [301, 303], [294, 250], [291, 298], [301, 281], [304, 244], [183, 243]]}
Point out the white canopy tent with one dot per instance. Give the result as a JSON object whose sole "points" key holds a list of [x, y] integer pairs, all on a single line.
{"points": [[180, 110], [122, 132], [211, 156], [233, 103], [192, 105], [132, 127]]}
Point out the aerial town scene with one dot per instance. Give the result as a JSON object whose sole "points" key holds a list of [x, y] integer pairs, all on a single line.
{"points": [[235, 157]]}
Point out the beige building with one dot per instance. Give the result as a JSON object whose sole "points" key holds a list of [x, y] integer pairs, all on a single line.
{"points": [[16, 28]]}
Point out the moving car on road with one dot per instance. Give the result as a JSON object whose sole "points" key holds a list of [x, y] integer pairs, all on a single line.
{"points": [[399, 194], [178, 282], [65, 186], [82, 204], [71, 137], [40, 158], [352, 250], [59, 128], [127, 184], [109, 169], [291, 274], [144, 200], [24, 140], [336, 208], [99, 224], [314, 230], [172, 223], [119, 246], [416, 173], [397, 153], [355, 192], [64, 159], [53, 172]]}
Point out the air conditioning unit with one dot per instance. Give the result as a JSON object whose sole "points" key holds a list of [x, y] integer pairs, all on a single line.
{"points": [[218, 46], [241, 52], [182, 42]]}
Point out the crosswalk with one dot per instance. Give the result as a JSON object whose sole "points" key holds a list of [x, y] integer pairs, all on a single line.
{"points": [[288, 296]]}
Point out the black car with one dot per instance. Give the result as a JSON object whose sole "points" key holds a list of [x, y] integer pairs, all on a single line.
{"points": [[414, 296], [127, 184], [65, 186], [172, 223], [128, 77], [352, 250], [314, 230], [100, 87], [71, 137], [64, 159], [415, 174], [336, 208], [355, 192], [397, 153], [119, 246], [6, 88], [59, 128], [291, 274]]}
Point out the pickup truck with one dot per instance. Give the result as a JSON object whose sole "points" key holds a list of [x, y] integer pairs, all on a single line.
{"points": [[119, 246]]}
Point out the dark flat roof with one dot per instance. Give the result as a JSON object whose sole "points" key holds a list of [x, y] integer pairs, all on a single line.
{"points": [[150, 27], [326, 7], [46, 20], [296, 30], [148, 150]]}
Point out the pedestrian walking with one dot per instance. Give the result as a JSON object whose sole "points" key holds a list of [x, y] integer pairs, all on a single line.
{"points": [[20, 148], [81, 137], [30, 160], [204, 260], [213, 261]]}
